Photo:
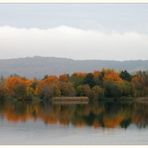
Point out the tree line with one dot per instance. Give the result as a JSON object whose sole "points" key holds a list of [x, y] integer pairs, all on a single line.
{"points": [[106, 83]]}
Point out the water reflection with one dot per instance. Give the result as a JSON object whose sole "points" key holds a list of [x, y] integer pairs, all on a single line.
{"points": [[101, 114]]}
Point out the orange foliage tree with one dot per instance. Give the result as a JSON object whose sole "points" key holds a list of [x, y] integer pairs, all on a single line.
{"points": [[48, 87], [16, 86]]}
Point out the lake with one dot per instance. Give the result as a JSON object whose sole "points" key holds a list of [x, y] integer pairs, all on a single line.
{"points": [[93, 123]]}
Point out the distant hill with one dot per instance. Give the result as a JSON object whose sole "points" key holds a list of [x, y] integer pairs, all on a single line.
{"points": [[40, 66]]}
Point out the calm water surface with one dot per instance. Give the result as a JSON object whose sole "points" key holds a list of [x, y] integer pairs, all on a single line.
{"points": [[95, 123]]}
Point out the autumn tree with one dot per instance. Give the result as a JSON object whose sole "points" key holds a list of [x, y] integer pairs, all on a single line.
{"points": [[2, 89], [48, 88], [126, 88], [67, 89], [140, 84], [31, 89], [97, 92], [97, 76], [84, 90], [111, 75], [101, 78], [64, 78], [16, 87]]}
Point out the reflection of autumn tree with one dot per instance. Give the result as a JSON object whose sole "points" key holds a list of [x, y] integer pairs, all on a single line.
{"points": [[107, 114], [33, 110], [11, 114], [20, 111], [65, 115], [84, 115], [115, 121], [97, 109], [80, 122], [119, 117], [86, 110], [48, 114], [78, 115], [96, 124], [117, 114], [140, 114]]}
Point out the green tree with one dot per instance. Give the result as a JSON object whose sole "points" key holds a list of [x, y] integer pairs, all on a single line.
{"points": [[77, 79], [89, 79], [125, 75], [126, 88], [112, 89]]}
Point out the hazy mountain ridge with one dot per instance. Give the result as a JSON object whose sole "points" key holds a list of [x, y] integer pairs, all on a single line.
{"points": [[40, 66]]}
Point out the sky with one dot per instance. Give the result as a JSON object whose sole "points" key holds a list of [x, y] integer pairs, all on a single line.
{"points": [[77, 31]]}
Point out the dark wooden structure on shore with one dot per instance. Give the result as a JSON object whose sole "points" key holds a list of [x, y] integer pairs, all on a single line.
{"points": [[70, 100]]}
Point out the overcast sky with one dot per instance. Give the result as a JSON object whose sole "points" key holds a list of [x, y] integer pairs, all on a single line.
{"points": [[78, 31]]}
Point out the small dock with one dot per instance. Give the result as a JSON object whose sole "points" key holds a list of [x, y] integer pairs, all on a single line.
{"points": [[143, 100], [70, 100]]}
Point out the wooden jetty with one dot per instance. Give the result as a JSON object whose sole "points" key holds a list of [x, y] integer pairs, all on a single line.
{"points": [[143, 100], [70, 100]]}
